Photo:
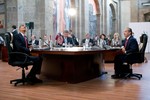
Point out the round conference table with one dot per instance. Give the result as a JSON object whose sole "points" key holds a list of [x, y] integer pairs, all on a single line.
{"points": [[72, 64]]}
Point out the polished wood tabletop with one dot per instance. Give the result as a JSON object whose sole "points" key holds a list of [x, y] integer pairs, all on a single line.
{"points": [[71, 50]]}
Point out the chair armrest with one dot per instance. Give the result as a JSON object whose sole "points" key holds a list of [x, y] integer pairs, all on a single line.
{"points": [[18, 56]]}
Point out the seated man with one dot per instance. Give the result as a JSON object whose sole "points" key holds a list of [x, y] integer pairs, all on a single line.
{"points": [[66, 39], [20, 44], [88, 40], [33, 40], [129, 45], [74, 39]]}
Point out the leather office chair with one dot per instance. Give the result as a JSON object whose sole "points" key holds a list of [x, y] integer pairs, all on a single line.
{"points": [[137, 57], [16, 59]]}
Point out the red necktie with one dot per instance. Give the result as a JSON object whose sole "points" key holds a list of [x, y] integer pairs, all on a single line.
{"points": [[126, 42], [25, 38]]}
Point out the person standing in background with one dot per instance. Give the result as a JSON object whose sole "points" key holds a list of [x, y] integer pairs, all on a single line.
{"points": [[14, 30]]}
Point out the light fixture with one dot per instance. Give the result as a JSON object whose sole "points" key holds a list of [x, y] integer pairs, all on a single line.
{"points": [[72, 12]]}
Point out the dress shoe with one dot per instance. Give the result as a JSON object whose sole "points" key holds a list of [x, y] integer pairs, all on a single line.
{"points": [[33, 80]]}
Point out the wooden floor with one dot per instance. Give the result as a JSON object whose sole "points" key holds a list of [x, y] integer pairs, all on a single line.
{"points": [[102, 88]]}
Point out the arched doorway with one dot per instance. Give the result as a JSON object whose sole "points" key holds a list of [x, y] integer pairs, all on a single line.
{"points": [[112, 24]]}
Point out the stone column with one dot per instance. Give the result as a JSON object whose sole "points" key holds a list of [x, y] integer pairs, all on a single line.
{"points": [[11, 14], [81, 19], [104, 16], [134, 11], [49, 17], [98, 23], [101, 17]]}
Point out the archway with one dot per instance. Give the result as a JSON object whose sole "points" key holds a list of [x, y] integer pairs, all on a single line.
{"points": [[112, 24]]}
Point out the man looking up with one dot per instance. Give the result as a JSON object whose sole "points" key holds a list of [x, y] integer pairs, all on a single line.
{"points": [[20, 44]]}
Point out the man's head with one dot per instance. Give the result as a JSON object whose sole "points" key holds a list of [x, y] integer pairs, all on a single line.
{"points": [[87, 36], [14, 27], [65, 33], [22, 29], [127, 32], [33, 37]]}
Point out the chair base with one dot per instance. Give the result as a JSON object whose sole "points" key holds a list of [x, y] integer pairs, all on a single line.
{"points": [[17, 81], [130, 75]]}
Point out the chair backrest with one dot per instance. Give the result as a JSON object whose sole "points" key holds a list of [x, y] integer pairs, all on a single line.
{"points": [[139, 57], [143, 39], [8, 41]]}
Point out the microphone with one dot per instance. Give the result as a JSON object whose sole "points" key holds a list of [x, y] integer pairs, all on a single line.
{"points": [[44, 42]]}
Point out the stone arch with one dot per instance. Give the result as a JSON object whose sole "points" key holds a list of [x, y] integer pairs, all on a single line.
{"points": [[112, 19], [97, 6]]}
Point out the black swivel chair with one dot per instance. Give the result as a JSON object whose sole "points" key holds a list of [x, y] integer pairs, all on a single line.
{"points": [[137, 57], [16, 59]]}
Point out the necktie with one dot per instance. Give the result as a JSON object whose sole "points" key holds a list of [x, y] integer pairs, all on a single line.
{"points": [[126, 42], [25, 39]]}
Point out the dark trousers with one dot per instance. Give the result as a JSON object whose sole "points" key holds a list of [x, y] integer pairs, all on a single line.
{"points": [[36, 69], [118, 63]]}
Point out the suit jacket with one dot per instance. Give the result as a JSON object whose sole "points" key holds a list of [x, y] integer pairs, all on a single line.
{"points": [[36, 42], [14, 32], [74, 40], [19, 44], [91, 41], [69, 40], [131, 46]]}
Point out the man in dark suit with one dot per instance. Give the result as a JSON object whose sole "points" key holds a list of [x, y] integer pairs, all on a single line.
{"points": [[88, 40], [33, 40], [74, 39], [129, 45], [20, 44], [14, 30], [66, 39]]}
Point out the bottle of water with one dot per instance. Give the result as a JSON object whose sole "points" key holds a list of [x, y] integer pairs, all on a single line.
{"points": [[86, 43], [51, 44], [40, 43], [98, 43]]}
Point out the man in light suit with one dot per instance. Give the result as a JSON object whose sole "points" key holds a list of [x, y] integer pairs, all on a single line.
{"points": [[129, 45], [20, 44]]}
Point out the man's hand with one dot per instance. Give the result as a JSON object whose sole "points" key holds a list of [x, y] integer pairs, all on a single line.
{"points": [[123, 49]]}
